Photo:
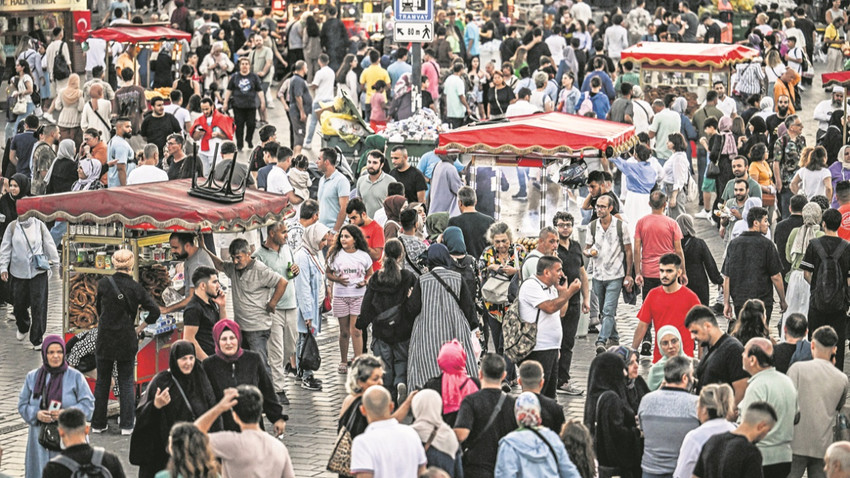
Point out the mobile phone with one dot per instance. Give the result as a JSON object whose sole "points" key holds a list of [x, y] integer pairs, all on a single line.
{"points": [[54, 406], [562, 281]]}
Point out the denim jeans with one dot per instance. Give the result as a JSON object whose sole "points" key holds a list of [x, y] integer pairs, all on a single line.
{"points": [[395, 361], [608, 292], [126, 395], [302, 338], [30, 109], [29, 296], [257, 341], [499, 345], [522, 177], [783, 199], [58, 231], [311, 124]]}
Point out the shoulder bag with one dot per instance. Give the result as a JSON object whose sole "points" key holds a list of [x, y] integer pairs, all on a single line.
{"points": [[548, 445], [495, 288], [431, 437], [183, 394], [37, 261], [48, 433], [340, 460]]}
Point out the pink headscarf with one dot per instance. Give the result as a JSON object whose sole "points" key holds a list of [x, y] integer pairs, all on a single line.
{"points": [[456, 383], [724, 126]]}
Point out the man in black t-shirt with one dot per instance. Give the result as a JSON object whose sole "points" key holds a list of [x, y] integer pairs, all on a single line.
{"points": [[824, 308], [481, 443], [531, 379], [245, 93], [158, 125], [414, 181], [472, 223], [205, 308], [734, 454], [712, 29], [808, 28], [74, 434], [722, 362], [572, 260], [796, 328]]}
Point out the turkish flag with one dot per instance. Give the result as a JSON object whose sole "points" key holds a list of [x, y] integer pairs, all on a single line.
{"points": [[82, 21]]}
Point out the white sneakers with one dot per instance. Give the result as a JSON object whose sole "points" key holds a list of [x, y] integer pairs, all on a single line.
{"points": [[703, 214]]}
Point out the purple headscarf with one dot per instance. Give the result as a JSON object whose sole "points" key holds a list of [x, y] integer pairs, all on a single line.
{"points": [[51, 390], [730, 148]]}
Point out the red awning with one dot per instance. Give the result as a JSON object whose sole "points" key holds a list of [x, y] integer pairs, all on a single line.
{"points": [[541, 135], [688, 54], [164, 206], [137, 34], [841, 78]]}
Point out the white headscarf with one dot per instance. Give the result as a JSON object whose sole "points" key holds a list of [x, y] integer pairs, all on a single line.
{"points": [[66, 151], [92, 169], [427, 407]]}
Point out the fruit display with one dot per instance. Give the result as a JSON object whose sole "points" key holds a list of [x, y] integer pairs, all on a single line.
{"points": [[155, 279], [164, 92], [82, 295], [529, 243]]}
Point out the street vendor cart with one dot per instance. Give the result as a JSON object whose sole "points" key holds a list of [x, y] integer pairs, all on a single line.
{"points": [[689, 65], [542, 140], [139, 218]]}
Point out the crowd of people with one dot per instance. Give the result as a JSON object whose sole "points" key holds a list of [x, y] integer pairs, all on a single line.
{"points": [[443, 313]]}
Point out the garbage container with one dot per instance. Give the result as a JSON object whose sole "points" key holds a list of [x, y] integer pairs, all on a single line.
{"points": [[415, 149]]}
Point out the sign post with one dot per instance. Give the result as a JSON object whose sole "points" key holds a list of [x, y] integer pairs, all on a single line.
{"points": [[414, 23]]}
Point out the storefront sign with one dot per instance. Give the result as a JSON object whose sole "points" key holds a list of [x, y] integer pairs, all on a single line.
{"points": [[8, 6]]}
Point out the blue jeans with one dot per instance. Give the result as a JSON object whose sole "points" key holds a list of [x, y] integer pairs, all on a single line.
{"points": [[608, 293], [395, 359], [783, 198], [522, 176], [257, 341], [302, 338], [126, 395], [30, 109], [311, 124], [58, 231]]}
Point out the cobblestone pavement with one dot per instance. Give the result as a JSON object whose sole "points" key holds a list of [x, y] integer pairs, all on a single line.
{"points": [[312, 427]]}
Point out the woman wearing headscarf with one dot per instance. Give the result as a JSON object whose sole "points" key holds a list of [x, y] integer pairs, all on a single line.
{"points": [[722, 149], [444, 310], [393, 206], [532, 449], [800, 237], [310, 292], [62, 174], [441, 446], [680, 105], [699, 263], [741, 226], [617, 439], [88, 175], [840, 171], [53, 382], [765, 110], [670, 342], [400, 106], [462, 263], [9, 212], [435, 224], [453, 383], [117, 303], [180, 394], [636, 387], [23, 240], [758, 134], [232, 366], [70, 107]]}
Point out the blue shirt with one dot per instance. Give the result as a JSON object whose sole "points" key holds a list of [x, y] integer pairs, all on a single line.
{"points": [[397, 69], [262, 175], [120, 150], [471, 33], [330, 190], [607, 85]]}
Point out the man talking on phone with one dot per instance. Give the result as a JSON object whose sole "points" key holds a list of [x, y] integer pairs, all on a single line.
{"points": [[543, 299]]}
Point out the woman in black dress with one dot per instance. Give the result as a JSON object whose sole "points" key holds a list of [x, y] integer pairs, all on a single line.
{"points": [[180, 394], [699, 263]]}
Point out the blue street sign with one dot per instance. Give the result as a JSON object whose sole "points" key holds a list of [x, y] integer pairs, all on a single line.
{"points": [[413, 10]]}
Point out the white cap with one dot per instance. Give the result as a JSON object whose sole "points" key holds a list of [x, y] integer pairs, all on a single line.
{"points": [[838, 89]]}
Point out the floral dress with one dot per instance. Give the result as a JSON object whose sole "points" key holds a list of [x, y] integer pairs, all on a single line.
{"points": [[516, 256]]}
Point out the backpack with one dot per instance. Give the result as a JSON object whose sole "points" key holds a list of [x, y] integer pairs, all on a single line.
{"points": [[586, 105], [619, 232], [520, 336], [830, 292], [61, 69], [93, 469]]}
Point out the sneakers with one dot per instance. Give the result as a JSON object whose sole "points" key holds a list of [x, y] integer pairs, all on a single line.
{"points": [[646, 348], [569, 389], [289, 369], [593, 329], [520, 197], [20, 336], [310, 384], [126, 431], [402, 392], [99, 430], [703, 214], [600, 348], [282, 398], [613, 342]]}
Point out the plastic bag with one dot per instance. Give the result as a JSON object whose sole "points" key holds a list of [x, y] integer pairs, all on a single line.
{"points": [[310, 358], [797, 298]]}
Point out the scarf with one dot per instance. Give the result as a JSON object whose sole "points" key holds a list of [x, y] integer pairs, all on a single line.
{"points": [[435, 224], [218, 329], [438, 256], [527, 410], [393, 206], [23, 184], [195, 384], [656, 373], [51, 390], [724, 126], [72, 93], [66, 151], [606, 374], [402, 86], [456, 384], [680, 105], [759, 125], [812, 216], [686, 224], [426, 410], [453, 239], [313, 236], [91, 168]]}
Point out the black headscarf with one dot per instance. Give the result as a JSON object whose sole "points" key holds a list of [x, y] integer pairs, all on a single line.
{"points": [[195, 385], [832, 140], [23, 183], [438, 256], [607, 373]]}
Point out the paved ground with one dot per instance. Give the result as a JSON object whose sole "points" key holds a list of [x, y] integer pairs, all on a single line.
{"points": [[312, 427]]}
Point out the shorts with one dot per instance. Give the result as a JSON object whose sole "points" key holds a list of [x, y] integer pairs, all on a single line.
{"points": [[346, 306], [299, 128], [708, 185]]}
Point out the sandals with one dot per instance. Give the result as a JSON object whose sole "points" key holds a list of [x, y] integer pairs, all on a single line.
{"points": [[343, 368]]}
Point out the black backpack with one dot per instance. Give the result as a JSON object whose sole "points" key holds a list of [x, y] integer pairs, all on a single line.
{"points": [[830, 291], [61, 68], [93, 469]]}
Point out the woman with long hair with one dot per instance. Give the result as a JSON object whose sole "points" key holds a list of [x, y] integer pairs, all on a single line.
{"points": [[579, 445], [185, 84], [716, 412], [312, 45], [751, 322], [760, 170], [757, 134], [70, 106], [191, 456], [382, 307], [349, 268], [833, 140], [346, 77], [675, 175], [813, 178], [24, 87]]}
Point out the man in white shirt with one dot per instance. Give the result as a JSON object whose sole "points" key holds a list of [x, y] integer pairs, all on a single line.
{"points": [[56, 47], [823, 111], [725, 103], [277, 181], [543, 299], [146, 171], [94, 51], [581, 11], [322, 89], [643, 113], [386, 449], [177, 110], [522, 106], [616, 38], [795, 56]]}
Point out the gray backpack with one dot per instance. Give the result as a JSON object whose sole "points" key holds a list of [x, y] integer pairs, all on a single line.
{"points": [[93, 469]]}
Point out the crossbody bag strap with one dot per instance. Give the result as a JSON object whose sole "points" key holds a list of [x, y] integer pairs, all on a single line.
{"points": [[412, 264], [26, 238], [490, 420], [108, 126], [431, 437], [446, 286], [548, 445], [121, 296], [183, 394]]}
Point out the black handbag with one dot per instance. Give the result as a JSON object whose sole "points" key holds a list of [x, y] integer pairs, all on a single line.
{"points": [[712, 170], [48, 435]]}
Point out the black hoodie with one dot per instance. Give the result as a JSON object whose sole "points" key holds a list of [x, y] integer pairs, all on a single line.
{"points": [[381, 296]]}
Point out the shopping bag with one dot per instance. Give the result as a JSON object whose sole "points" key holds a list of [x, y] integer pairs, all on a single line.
{"points": [[310, 358], [797, 298]]}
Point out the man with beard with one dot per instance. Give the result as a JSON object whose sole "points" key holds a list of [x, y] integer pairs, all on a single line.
{"points": [[183, 248], [206, 306], [158, 125], [120, 156], [739, 169], [177, 164], [734, 205], [721, 363], [786, 160], [783, 103], [572, 259], [824, 109], [372, 187], [210, 128]]}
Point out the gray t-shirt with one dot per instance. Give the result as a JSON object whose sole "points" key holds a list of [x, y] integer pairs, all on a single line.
{"points": [[200, 258], [252, 288], [620, 108]]}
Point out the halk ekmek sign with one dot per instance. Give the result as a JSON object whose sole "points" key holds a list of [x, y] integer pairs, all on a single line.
{"points": [[27, 5]]}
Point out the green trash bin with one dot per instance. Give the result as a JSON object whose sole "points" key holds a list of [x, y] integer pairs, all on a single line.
{"points": [[740, 24], [415, 149], [350, 152]]}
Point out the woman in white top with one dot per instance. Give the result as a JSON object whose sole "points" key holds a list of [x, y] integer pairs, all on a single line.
{"points": [[813, 178], [349, 268], [773, 67], [715, 410], [22, 93], [346, 77], [675, 175]]}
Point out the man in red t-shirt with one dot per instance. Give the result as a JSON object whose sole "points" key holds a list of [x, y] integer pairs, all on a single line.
{"points": [[667, 305], [372, 231], [842, 195]]}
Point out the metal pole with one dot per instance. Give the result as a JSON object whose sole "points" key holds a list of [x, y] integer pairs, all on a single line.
{"points": [[542, 205], [416, 78], [497, 203]]}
